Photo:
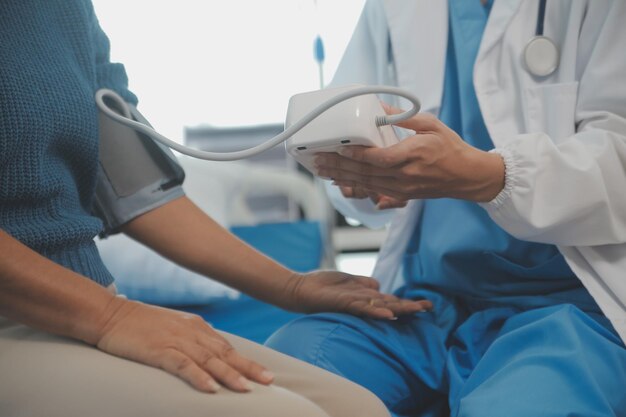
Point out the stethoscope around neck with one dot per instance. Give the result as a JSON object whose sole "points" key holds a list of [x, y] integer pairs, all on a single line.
{"points": [[541, 54]]}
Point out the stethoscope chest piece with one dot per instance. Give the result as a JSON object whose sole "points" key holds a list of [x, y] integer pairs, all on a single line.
{"points": [[541, 56]]}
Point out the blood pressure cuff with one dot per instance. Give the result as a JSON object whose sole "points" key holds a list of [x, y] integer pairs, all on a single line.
{"points": [[135, 174]]}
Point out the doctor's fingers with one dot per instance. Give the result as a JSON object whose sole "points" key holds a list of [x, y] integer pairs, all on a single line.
{"points": [[415, 148], [356, 193], [383, 158], [382, 202], [378, 157], [385, 202], [332, 161], [422, 122], [391, 187], [371, 188]]}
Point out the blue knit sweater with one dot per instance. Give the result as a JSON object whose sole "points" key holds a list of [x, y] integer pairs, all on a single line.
{"points": [[53, 58]]}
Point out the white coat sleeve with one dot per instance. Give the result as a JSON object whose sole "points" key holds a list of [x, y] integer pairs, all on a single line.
{"points": [[573, 193], [367, 60]]}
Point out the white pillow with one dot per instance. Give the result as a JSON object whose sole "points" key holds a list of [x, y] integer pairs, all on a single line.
{"points": [[142, 274]]}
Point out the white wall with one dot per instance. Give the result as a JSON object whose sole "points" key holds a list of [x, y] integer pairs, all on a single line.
{"points": [[224, 63]]}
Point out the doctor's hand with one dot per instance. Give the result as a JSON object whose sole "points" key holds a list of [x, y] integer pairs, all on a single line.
{"points": [[381, 201], [433, 163], [180, 343], [323, 291]]}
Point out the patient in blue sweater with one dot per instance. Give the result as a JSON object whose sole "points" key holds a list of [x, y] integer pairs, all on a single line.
{"points": [[54, 57], [62, 328]]}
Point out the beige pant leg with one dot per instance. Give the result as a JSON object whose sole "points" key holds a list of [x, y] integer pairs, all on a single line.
{"points": [[338, 396], [46, 375]]}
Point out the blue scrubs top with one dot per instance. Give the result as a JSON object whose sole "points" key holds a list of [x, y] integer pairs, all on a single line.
{"points": [[457, 249]]}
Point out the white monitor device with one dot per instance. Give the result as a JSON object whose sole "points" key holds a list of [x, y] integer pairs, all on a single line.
{"points": [[351, 122]]}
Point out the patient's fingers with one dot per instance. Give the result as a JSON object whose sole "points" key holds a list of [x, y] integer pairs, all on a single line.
{"points": [[369, 309], [388, 306], [214, 345], [181, 365], [403, 307]]}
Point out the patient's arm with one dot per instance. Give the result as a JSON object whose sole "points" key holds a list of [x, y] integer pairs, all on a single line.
{"points": [[182, 232], [42, 294]]}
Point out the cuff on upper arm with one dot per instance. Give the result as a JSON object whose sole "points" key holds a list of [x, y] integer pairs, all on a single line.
{"points": [[116, 211], [135, 174]]}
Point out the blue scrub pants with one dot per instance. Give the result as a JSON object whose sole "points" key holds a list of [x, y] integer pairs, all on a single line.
{"points": [[460, 360]]}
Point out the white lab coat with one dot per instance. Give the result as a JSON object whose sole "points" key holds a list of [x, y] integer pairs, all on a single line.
{"points": [[563, 137]]}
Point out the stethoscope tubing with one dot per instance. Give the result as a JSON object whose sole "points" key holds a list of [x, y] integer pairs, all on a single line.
{"points": [[541, 18]]}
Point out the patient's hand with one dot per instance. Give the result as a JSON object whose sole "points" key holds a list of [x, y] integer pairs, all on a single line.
{"points": [[180, 343], [339, 292]]}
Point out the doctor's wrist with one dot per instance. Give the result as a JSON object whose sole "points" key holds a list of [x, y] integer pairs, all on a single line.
{"points": [[491, 179]]}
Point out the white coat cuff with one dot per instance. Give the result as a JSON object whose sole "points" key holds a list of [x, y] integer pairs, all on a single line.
{"points": [[511, 178]]}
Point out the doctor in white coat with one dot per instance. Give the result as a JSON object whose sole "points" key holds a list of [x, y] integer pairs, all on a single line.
{"points": [[527, 169]]}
